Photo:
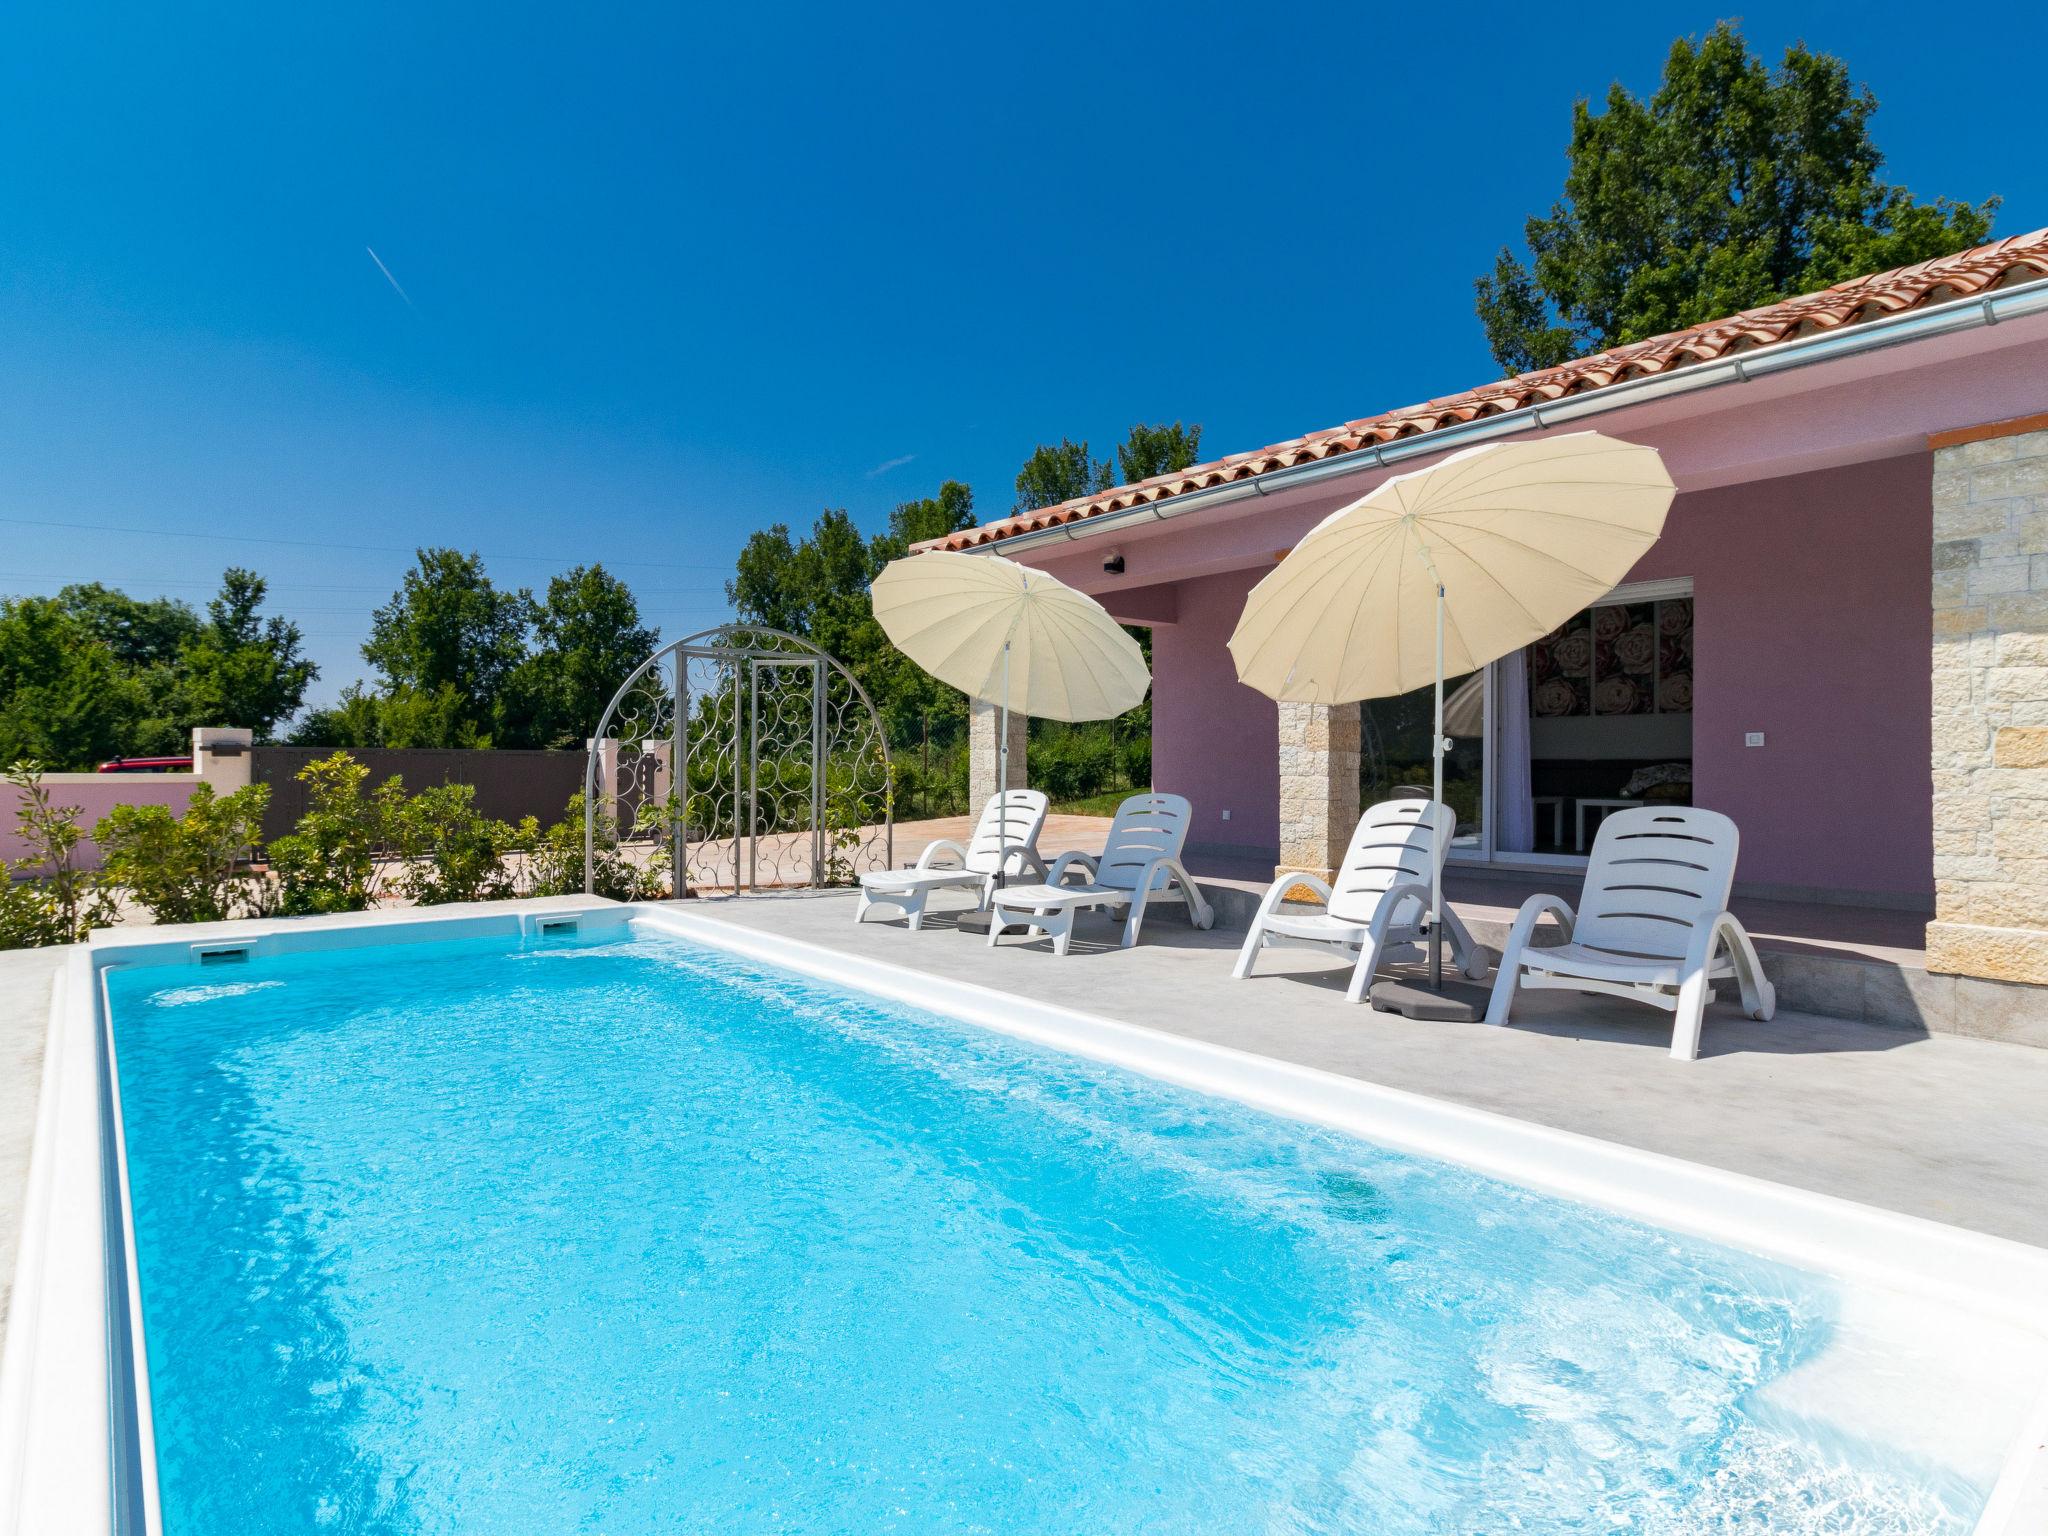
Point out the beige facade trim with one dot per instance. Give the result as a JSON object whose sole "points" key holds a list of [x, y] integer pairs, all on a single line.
{"points": [[1985, 432]]}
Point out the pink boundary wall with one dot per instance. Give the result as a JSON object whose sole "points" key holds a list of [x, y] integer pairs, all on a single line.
{"points": [[95, 799], [1812, 615]]}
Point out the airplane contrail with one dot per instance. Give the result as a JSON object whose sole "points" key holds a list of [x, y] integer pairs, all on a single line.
{"points": [[390, 279]]}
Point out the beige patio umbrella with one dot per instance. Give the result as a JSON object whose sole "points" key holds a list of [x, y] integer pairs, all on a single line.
{"points": [[1010, 636], [1448, 568]]}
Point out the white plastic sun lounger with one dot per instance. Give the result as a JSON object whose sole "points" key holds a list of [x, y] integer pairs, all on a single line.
{"points": [[1653, 924], [1377, 901], [1139, 863], [1006, 836]]}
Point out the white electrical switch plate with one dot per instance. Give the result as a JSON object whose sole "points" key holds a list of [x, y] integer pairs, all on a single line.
{"points": [[1226, 815], [1753, 739]]}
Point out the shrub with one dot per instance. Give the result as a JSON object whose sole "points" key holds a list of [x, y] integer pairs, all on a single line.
{"points": [[328, 863], [1071, 763], [451, 851], [189, 868], [554, 861], [46, 898]]}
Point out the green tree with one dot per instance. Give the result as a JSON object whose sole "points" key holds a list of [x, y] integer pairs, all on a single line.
{"points": [[1058, 472], [1158, 450], [1732, 186], [242, 668], [65, 700], [930, 517], [817, 588], [589, 638], [139, 632], [447, 632]]}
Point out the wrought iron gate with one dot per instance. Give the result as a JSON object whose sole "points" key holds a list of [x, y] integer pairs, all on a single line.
{"points": [[747, 757]]}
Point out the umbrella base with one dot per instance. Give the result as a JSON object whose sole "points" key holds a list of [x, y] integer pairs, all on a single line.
{"points": [[973, 922], [1458, 1003]]}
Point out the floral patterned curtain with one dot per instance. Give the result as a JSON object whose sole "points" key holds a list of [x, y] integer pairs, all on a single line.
{"points": [[1615, 659]]}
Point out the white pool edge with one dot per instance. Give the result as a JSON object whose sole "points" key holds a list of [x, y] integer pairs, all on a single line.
{"points": [[56, 1420]]}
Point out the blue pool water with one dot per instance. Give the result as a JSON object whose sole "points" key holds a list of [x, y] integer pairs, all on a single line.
{"points": [[630, 1237]]}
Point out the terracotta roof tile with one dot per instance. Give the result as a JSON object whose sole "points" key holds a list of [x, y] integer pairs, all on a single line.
{"points": [[2015, 259]]}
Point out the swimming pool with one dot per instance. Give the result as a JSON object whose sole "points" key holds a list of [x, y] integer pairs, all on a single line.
{"points": [[623, 1231]]}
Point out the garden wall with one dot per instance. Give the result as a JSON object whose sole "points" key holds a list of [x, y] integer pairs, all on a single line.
{"points": [[94, 794], [509, 784]]}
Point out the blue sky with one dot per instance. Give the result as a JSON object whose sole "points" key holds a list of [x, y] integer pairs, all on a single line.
{"points": [[670, 276]]}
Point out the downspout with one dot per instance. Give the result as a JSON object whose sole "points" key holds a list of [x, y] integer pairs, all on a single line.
{"points": [[1957, 315]]}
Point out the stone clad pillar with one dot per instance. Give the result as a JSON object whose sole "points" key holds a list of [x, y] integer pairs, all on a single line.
{"points": [[221, 756], [984, 725], [1319, 747], [1990, 765]]}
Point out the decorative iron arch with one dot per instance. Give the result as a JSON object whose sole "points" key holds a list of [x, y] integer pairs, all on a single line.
{"points": [[747, 758]]}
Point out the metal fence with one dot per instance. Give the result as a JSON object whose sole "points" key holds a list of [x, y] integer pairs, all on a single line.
{"points": [[509, 784]]}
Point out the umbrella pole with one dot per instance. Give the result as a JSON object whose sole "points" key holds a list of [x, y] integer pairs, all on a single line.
{"points": [[1436, 864], [1003, 774]]}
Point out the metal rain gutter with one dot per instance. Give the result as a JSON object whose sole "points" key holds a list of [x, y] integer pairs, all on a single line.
{"points": [[1956, 315]]}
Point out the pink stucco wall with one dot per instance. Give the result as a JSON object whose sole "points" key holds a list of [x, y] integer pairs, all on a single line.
{"points": [[1811, 601], [1213, 739], [94, 800], [1811, 597]]}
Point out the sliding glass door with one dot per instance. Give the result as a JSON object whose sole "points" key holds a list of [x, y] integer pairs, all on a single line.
{"points": [[1394, 758], [1594, 717]]}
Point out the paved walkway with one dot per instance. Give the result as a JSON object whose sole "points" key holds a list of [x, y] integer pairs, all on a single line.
{"points": [[25, 976], [1933, 1125]]}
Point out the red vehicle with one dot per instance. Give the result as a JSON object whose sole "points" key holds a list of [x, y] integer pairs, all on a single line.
{"points": [[146, 765]]}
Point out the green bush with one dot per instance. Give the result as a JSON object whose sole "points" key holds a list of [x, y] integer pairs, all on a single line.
{"points": [[46, 898], [328, 863], [451, 851], [1072, 763], [189, 868], [554, 859]]}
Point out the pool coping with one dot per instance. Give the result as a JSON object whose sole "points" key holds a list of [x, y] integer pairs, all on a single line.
{"points": [[67, 1427]]}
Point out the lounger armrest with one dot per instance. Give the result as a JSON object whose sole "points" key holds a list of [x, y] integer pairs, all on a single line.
{"points": [[1176, 873], [1394, 895], [1277, 893], [929, 859], [1057, 875], [1706, 939], [1533, 912], [1020, 859]]}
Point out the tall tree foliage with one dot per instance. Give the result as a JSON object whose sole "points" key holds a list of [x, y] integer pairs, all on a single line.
{"points": [[1734, 185], [446, 643], [1058, 472], [816, 587], [94, 673], [244, 668], [1158, 450], [588, 638], [462, 662]]}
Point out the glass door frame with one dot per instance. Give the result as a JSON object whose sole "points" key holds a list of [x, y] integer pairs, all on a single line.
{"points": [[1487, 853]]}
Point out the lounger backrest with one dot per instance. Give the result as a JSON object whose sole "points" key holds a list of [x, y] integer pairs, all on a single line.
{"points": [[1393, 846], [1146, 827], [1011, 820], [1656, 874]]}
